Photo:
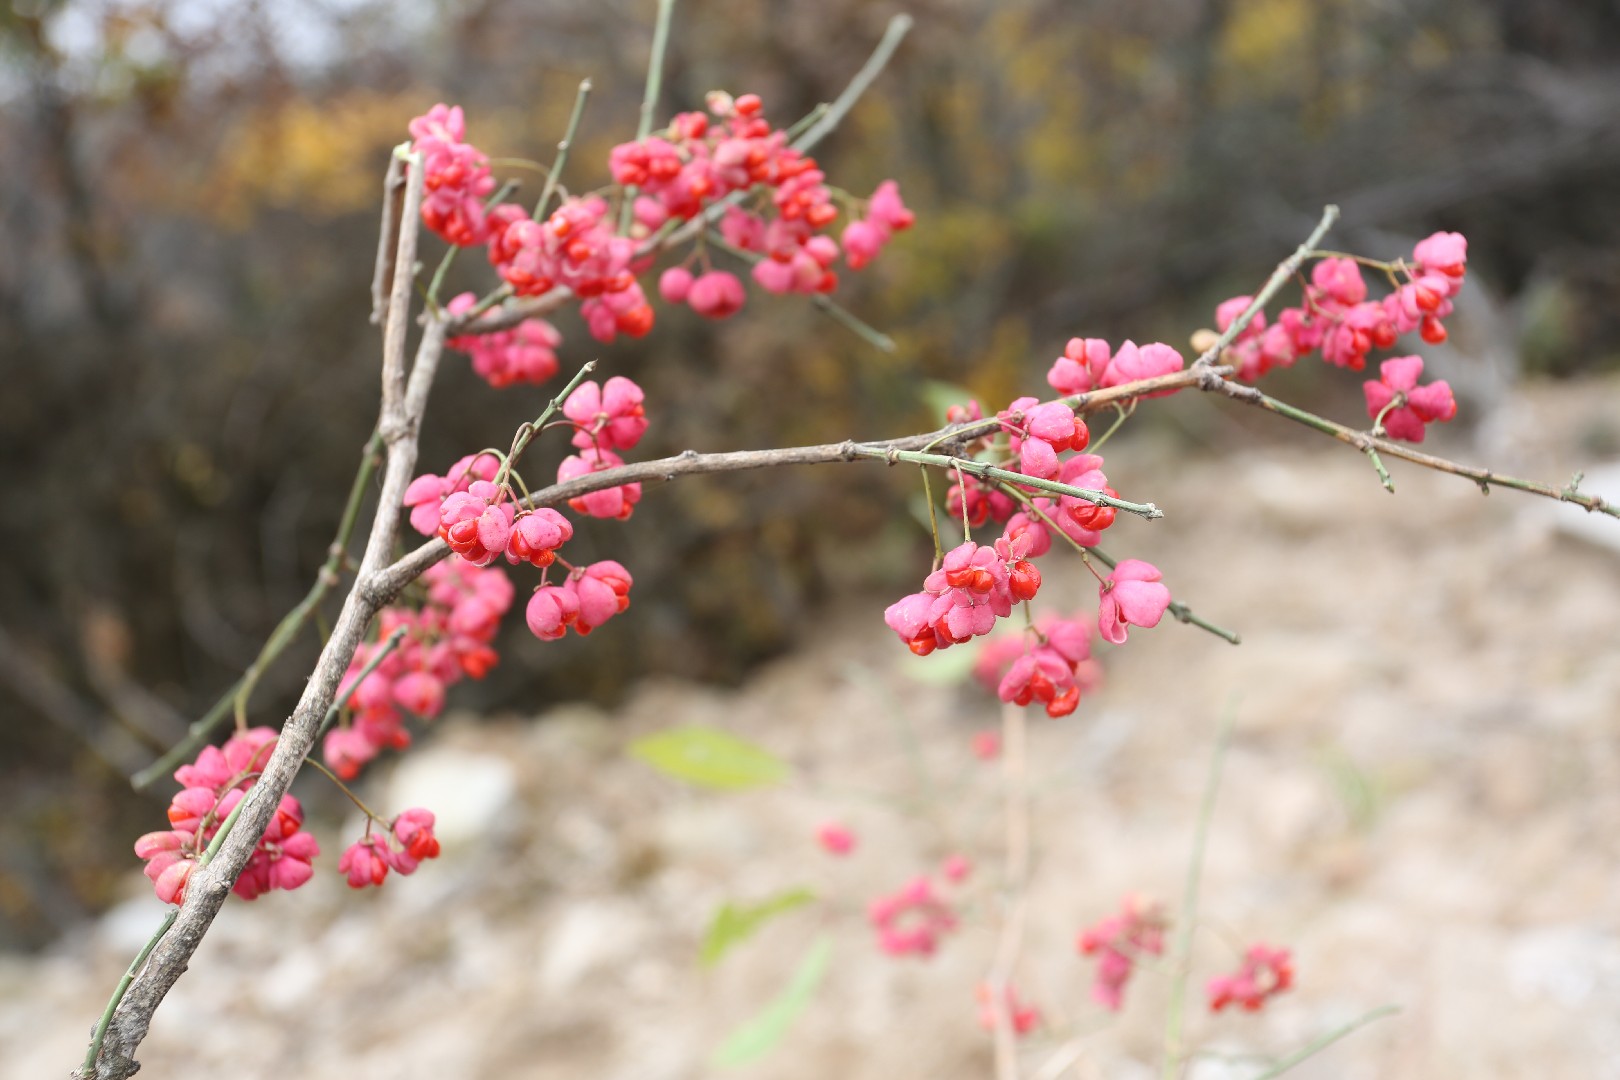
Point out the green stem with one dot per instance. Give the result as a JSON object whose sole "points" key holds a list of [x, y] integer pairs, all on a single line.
{"points": [[893, 34], [649, 100], [328, 576], [494, 297], [89, 1068], [826, 119], [803, 123], [1188, 915], [496, 199], [1328, 253], [388, 646], [518, 163], [1394, 403], [280, 637], [1485, 478], [961, 485], [530, 428], [850, 321], [1326, 1041], [1124, 414], [990, 472], [1378, 467], [90, 1056], [364, 809], [823, 303], [933, 517], [432, 295], [224, 831], [1285, 270], [562, 149], [1181, 612], [1378, 432], [196, 735], [522, 485]]}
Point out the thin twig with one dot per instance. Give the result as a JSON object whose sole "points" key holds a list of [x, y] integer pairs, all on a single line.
{"points": [[197, 734], [326, 578], [405, 399], [827, 120], [986, 471], [1181, 955], [285, 633], [1180, 611], [563, 147], [819, 128], [389, 644], [533, 427], [820, 301], [1326, 1041], [852, 322], [1285, 270], [397, 324], [382, 278], [1378, 467], [691, 463], [1091, 401], [135, 965], [803, 123], [649, 99], [893, 35], [1014, 769], [1063, 1057], [1485, 478], [1214, 380], [33, 681]]}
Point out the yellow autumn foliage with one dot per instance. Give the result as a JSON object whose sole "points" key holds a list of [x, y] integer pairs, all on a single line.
{"points": [[320, 157]]}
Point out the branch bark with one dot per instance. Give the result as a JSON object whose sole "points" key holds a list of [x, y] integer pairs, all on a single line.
{"points": [[397, 326], [1372, 446], [407, 569], [404, 401], [382, 278]]}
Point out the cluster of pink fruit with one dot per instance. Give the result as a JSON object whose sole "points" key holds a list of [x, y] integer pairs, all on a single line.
{"points": [[916, 919], [1337, 318], [975, 585], [778, 208], [449, 636], [215, 784]]}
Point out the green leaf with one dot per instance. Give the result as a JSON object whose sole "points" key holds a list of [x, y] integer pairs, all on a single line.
{"points": [[760, 1035], [733, 925], [710, 758]]}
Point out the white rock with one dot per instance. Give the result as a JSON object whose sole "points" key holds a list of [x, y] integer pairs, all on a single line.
{"points": [[127, 927], [586, 936]]}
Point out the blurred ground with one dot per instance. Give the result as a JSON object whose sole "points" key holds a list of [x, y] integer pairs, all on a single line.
{"points": [[1421, 799]]}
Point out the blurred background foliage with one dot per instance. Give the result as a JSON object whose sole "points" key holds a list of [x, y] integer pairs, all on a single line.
{"points": [[188, 208]]}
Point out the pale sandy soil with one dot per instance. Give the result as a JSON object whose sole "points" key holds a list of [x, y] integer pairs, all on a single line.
{"points": [[1422, 799]]}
